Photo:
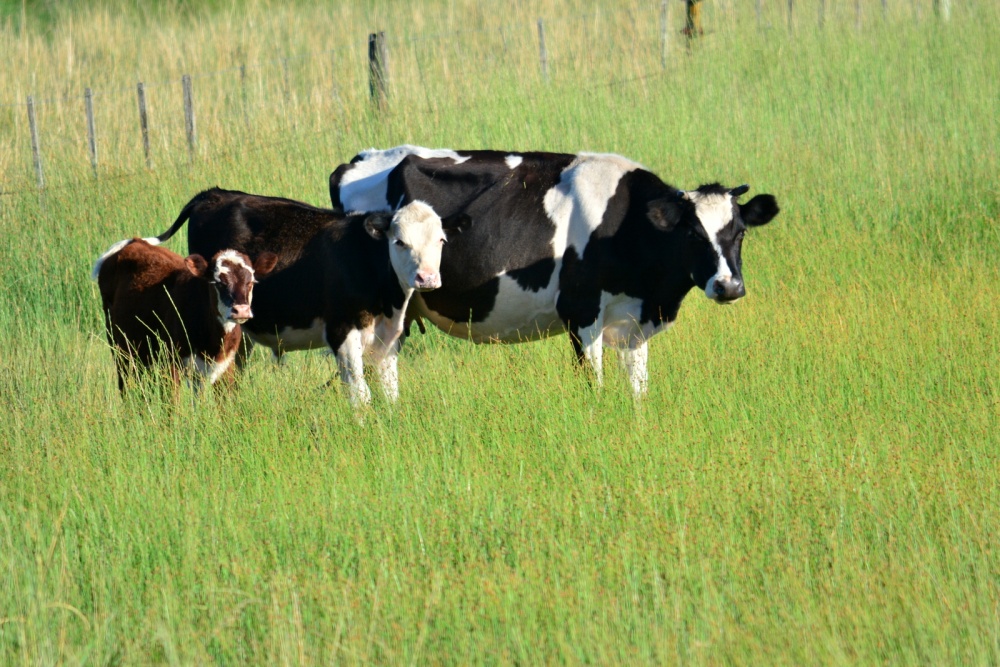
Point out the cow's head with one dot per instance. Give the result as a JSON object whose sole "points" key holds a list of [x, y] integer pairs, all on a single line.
{"points": [[416, 236], [233, 275], [711, 225]]}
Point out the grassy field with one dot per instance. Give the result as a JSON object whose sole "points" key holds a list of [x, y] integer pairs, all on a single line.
{"points": [[814, 477]]}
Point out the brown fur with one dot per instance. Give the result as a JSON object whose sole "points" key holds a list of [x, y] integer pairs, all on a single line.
{"points": [[159, 305]]}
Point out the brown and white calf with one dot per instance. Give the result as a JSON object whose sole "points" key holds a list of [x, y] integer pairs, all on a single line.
{"points": [[159, 305]]}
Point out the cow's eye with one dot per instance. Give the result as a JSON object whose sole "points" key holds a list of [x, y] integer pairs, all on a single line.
{"points": [[399, 243]]}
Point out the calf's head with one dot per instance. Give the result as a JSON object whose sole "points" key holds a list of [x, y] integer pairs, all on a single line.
{"points": [[416, 236], [710, 225], [233, 276]]}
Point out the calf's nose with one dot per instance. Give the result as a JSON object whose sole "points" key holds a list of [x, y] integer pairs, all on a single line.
{"points": [[242, 312], [427, 280]]}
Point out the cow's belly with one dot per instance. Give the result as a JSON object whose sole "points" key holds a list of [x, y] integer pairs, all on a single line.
{"points": [[623, 326], [290, 339], [522, 315], [517, 316]]}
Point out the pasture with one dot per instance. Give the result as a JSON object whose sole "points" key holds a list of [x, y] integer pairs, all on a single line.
{"points": [[814, 477]]}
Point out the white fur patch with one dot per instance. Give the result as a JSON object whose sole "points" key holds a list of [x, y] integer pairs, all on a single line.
{"points": [[209, 369], [95, 272], [715, 211], [419, 228], [513, 161], [229, 256], [363, 187], [352, 372], [577, 203], [518, 315]]}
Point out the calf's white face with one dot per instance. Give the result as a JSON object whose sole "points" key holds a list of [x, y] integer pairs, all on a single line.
{"points": [[416, 237], [233, 275]]}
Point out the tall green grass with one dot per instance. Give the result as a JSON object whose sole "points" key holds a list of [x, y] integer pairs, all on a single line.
{"points": [[813, 477]]}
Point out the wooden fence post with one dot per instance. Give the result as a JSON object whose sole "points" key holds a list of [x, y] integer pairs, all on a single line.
{"points": [[822, 13], [88, 98], [790, 16], [857, 15], [378, 78], [543, 54], [757, 9], [36, 152], [664, 22], [192, 134], [144, 123]]}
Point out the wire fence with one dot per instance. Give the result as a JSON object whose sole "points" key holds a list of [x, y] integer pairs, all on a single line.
{"points": [[123, 130]]}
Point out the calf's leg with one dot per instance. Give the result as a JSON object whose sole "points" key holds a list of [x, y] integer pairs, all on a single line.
{"points": [[350, 362]]}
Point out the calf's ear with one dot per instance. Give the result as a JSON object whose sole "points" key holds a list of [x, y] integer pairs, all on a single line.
{"points": [[665, 213], [197, 265], [377, 224], [264, 264], [759, 211], [456, 224]]}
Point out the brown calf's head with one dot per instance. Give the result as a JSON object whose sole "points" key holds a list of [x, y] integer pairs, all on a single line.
{"points": [[233, 275]]}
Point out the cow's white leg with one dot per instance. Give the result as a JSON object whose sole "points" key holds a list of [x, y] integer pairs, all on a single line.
{"points": [[350, 362], [635, 359], [592, 347], [388, 373]]}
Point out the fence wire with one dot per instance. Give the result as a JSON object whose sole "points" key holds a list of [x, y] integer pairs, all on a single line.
{"points": [[332, 83]]}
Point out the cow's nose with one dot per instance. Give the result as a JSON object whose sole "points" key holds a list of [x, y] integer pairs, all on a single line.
{"points": [[242, 312], [729, 290], [427, 280]]}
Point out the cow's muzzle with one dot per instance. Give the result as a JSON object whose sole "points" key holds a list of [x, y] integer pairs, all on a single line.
{"points": [[425, 281], [726, 291], [240, 313]]}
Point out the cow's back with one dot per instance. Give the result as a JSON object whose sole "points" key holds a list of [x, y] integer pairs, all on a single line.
{"points": [[143, 288], [254, 224]]}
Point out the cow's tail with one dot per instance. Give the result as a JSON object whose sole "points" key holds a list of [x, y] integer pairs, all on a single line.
{"points": [[184, 216], [114, 249]]}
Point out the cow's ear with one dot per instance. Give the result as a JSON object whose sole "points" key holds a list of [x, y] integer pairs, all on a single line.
{"points": [[665, 213], [264, 264], [377, 224], [197, 265], [759, 211], [456, 224]]}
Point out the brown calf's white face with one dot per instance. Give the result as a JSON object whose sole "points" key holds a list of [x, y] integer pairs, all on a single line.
{"points": [[233, 277], [416, 238]]}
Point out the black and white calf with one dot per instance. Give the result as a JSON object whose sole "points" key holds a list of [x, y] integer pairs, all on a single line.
{"points": [[592, 244], [342, 281]]}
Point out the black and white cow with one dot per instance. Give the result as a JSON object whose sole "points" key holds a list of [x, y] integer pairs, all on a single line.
{"points": [[342, 281], [592, 244]]}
